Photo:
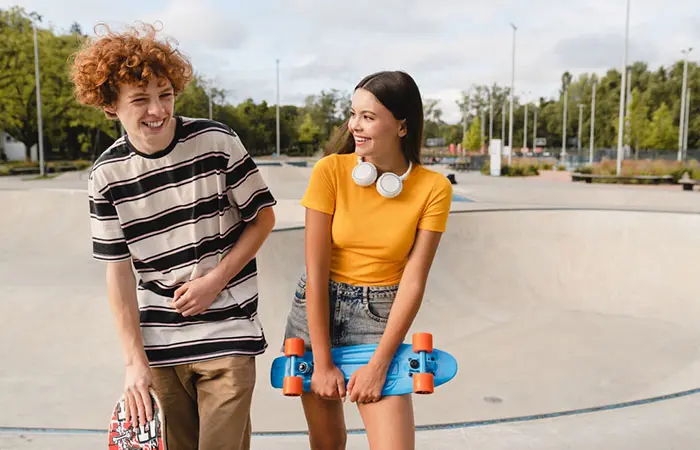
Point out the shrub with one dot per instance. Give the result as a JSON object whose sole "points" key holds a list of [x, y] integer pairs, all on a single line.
{"points": [[633, 168], [519, 167]]}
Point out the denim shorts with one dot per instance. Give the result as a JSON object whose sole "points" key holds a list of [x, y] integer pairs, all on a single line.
{"points": [[358, 314]]}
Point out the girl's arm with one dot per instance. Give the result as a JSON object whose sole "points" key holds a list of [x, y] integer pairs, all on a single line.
{"points": [[327, 380], [318, 258], [408, 298]]}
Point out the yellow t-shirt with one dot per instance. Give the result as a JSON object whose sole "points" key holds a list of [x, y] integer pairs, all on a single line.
{"points": [[371, 235]]}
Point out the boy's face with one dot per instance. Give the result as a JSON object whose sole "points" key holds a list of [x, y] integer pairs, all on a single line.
{"points": [[147, 114]]}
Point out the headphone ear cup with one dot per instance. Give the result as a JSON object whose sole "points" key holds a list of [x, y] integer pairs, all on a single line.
{"points": [[389, 185], [364, 173]]}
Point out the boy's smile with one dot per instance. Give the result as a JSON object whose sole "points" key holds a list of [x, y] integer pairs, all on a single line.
{"points": [[147, 114]]}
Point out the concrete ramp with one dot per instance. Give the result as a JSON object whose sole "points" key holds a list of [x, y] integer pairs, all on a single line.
{"points": [[545, 310]]}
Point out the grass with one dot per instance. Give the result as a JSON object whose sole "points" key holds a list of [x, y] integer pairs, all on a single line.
{"points": [[50, 166]]}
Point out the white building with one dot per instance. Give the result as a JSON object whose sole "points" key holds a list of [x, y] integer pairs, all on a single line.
{"points": [[15, 150]]}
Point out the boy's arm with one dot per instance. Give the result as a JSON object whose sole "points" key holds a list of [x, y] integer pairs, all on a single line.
{"points": [[195, 296], [248, 192], [109, 245], [121, 291]]}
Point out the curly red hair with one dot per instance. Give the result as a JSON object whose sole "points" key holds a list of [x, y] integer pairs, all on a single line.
{"points": [[105, 62]]}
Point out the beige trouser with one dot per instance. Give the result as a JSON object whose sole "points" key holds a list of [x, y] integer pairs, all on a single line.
{"points": [[207, 404]]}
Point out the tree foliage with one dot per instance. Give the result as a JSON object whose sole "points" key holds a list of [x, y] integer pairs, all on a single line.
{"points": [[74, 131]]}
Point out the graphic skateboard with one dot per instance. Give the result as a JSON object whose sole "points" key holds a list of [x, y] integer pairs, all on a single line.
{"points": [[416, 368], [124, 436]]}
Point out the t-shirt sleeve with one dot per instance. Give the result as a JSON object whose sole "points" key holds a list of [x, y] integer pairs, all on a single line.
{"points": [[321, 191], [108, 241], [437, 209], [246, 188]]}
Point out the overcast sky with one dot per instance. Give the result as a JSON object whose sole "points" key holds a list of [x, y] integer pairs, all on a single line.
{"points": [[446, 45]]}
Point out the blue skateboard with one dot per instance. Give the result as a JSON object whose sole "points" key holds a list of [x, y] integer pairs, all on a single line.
{"points": [[416, 368]]}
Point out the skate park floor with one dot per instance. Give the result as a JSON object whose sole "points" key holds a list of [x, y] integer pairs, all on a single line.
{"points": [[572, 310]]}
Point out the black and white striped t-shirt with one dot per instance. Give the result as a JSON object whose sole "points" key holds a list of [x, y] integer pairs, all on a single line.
{"points": [[176, 214]]}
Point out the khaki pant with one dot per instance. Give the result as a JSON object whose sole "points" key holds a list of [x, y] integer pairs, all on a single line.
{"points": [[207, 404]]}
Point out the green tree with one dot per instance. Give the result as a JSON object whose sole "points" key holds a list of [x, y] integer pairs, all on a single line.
{"points": [[663, 133], [640, 124], [308, 130], [61, 114], [472, 140]]}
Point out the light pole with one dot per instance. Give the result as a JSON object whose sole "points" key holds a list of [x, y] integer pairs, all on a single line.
{"points": [[40, 143], [534, 131], [525, 128], [592, 143], [681, 128], [512, 96], [526, 98], [563, 132], [483, 128], [580, 127], [503, 123], [278, 108], [623, 88], [687, 122], [490, 116]]}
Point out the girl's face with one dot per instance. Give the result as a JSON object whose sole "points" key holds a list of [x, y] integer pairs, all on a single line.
{"points": [[374, 128]]}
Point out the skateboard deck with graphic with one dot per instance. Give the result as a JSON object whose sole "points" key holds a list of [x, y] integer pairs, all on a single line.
{"points": [[416, 368], [123, 435]]}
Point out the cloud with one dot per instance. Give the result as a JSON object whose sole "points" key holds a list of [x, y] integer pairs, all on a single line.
{"points": [[447, 45], [595, 51], [200, 23]]}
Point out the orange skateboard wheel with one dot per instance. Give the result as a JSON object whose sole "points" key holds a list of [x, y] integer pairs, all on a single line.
{"points": [[422, 342], [423, 383], [294, 347], [292, 386]]}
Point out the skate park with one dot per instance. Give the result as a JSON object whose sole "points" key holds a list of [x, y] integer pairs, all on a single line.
{"points": [[571, 309]]}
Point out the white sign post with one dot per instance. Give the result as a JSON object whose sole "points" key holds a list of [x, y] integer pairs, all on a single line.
{"points": [[495, 151]]}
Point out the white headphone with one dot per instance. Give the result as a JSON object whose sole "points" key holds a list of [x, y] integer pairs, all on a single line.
{"points": [[389, 184]]}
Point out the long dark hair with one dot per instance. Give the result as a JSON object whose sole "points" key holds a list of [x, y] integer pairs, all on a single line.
{"points": [[398, 92]]}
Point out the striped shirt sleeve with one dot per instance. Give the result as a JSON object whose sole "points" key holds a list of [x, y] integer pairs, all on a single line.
{"points": [[246, 187], [108, 241]]}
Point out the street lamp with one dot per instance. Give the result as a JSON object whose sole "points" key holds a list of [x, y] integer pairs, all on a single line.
{"points": [[580, 127], [490, 116], [534, 126], [681, 128], [512, 95], [620, 127], [592, 143], [278, 108], [687, 122], [527, 99], [563, 132], [40, 147]]}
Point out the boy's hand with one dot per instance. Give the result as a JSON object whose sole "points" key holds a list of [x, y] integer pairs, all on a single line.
{"points": [[195, 296], [137, 398]]}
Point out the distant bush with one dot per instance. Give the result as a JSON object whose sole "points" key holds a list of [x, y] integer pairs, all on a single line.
{"points": [[647, 167], [519, 167]]}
